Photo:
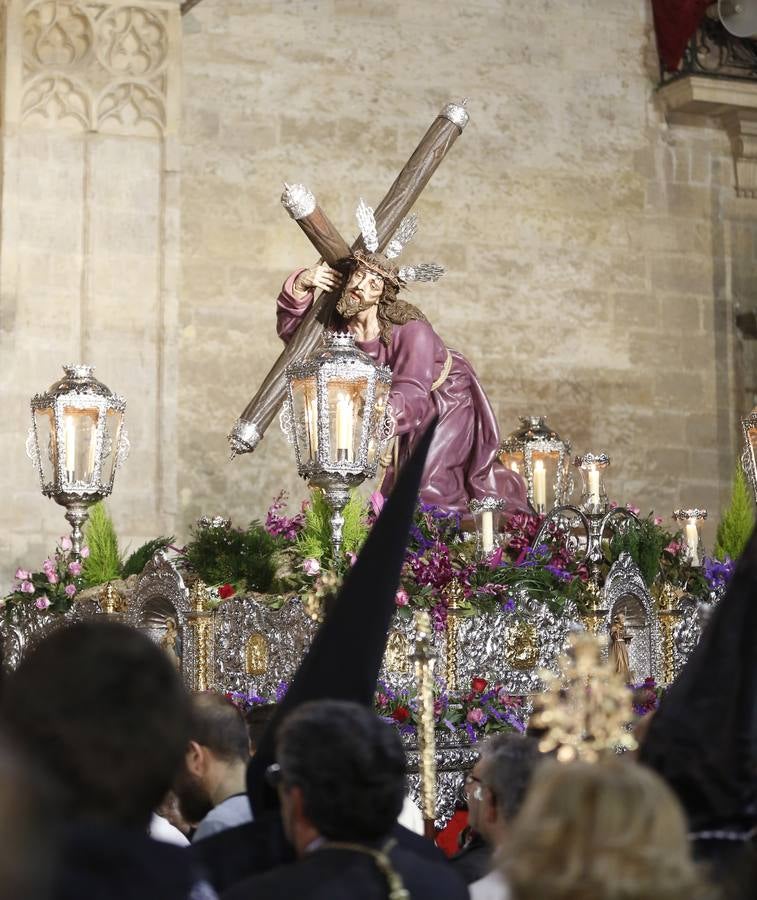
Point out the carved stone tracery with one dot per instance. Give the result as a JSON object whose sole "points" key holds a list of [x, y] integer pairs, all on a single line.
{"points": [[97, 67]]}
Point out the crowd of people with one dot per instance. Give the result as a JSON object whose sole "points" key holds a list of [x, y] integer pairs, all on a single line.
{"points": [[116, 783]]}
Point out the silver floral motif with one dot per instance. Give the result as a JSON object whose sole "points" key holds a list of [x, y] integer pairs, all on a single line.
{"points": [[298, 200], [457, 113], [244, 437]]}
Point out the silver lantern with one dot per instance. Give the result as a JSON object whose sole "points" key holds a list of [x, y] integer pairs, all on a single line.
{"points": [[336, 414], [77, 440], [542, 457]]}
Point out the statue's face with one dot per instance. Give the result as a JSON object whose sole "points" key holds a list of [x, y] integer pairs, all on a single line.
{"points": [[363, 290]]}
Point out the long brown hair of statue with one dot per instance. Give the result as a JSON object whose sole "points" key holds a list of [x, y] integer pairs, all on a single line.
{"points": [[391, 311]]}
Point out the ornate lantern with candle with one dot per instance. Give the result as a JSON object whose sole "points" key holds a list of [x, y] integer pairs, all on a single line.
{"points": [[77, 440], [486, 513], [336, 415], [591, 467], [749, 456], [690, 520], [540, 455]]}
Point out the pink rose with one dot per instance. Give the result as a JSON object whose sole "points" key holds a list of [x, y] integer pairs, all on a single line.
{"points": [[352, 557], [673, 548], [311, 566], [634, 509], [75, 568], [70, 590], [658, 520], [84, 552], [401, 598], [476, 716], [65, 544], [52, 577], [23, 575], [42, 602], [377, 501], [48, 566], [26, 587]]}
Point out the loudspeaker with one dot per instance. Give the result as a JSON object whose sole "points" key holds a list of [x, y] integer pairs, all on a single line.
{"points": [[739, 17]]}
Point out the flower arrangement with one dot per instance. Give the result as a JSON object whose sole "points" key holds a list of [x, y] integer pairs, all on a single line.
{"points": [[480, 711], [54, 587], [290, 556]]}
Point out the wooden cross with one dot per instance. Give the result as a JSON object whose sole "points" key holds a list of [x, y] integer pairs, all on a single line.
{"points": [[444, 131]]}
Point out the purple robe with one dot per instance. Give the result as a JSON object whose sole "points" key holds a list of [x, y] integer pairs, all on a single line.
{"points": [[462, 462]]}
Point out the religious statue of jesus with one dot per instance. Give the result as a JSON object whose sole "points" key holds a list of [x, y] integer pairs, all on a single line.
{"points": [[428, 378]]}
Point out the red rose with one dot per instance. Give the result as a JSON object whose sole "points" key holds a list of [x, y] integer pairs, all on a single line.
{"points": [[478, 685], [226, 591], [401, 714]]}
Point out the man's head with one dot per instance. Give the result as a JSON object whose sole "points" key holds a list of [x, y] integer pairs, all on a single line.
{"points": [[216, 756], [103, 712], [341, 773], [369, 277], [371, 280], [497, 784]]}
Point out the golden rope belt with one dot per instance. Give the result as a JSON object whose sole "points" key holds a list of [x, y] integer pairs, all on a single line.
{"points": [[397, 890]]}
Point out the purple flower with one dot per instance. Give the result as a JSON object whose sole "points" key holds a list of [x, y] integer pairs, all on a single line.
{"points": [[65, 544], [42, 602], [75, 568], [311, 566], [26, 587], [509, 604], [280, 525], [717, 574], [401, 598], [559, 573], [23, 575], [70, 590], [281, 689]]}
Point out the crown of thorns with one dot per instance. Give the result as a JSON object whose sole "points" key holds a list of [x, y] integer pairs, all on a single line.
{"points": [[381, 262]]}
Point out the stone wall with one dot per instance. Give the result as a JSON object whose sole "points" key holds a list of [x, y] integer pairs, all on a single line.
{"points": [[89, 246], [594, 250]]}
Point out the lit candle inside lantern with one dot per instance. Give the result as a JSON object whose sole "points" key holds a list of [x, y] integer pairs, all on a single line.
{"points": [[593, 486], [487, 531], [311, 421], [692, 541], [344, 426], [70, 429], [92, 454], [540, 486], [514, 466]]}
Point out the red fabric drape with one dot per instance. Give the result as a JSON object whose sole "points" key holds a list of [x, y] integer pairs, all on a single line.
{"points": [[675, 21]]}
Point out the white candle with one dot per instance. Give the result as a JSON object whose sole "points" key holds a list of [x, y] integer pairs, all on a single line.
{"points": [[311, 421], [343, 426], [70, 429], [514, 466], [92, 448], [692, 541], [487, 530], [593, 487], [540, 486]]}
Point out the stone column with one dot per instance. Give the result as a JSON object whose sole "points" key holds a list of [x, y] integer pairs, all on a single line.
{"points": [[89, 244]]}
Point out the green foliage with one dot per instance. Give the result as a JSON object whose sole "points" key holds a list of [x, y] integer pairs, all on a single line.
{"points": [[737, 521], [314, 541], [645, 542], [104, 561], [136, 562], [225, 555]]}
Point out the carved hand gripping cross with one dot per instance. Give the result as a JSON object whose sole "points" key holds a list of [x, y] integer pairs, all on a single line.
{"points": [[260, 411]]}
